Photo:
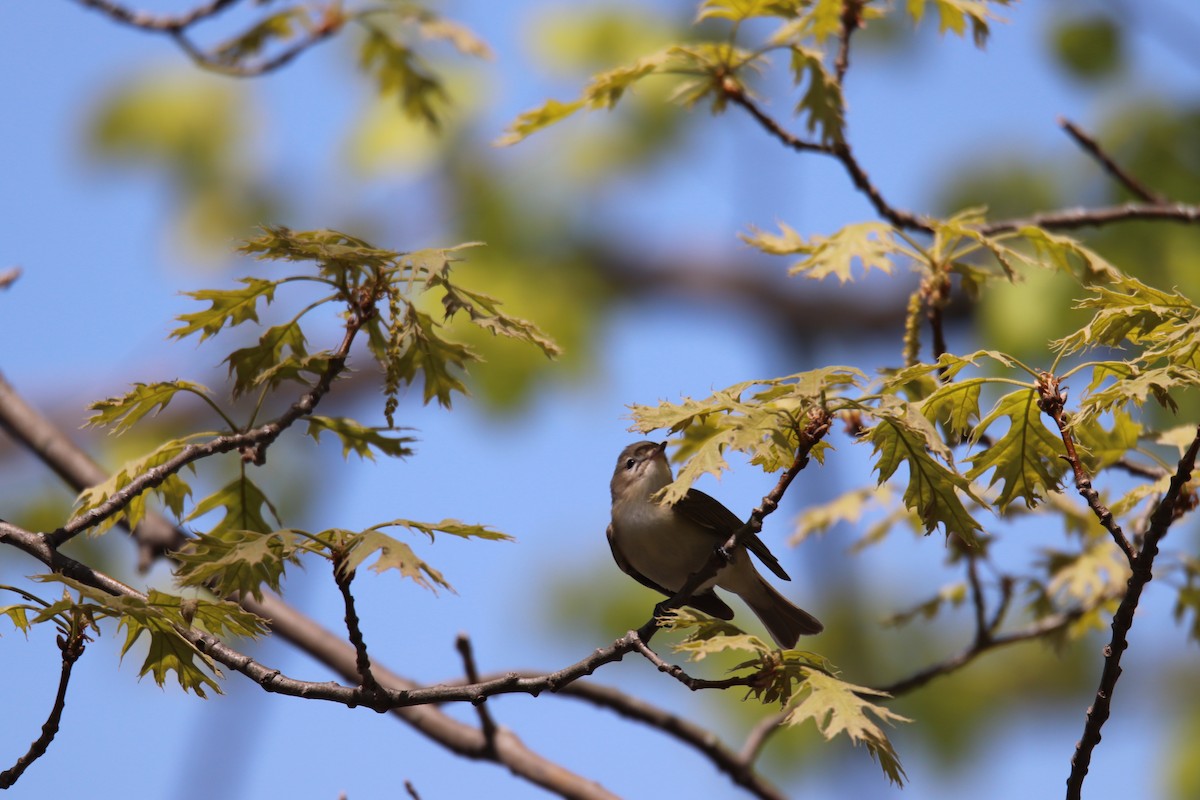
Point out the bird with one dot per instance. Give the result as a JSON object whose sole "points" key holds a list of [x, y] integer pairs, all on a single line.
{"points": [[660, 545]]}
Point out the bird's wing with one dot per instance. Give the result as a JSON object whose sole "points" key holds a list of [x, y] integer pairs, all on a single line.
{"points": [[707, 601], [708, 513]]}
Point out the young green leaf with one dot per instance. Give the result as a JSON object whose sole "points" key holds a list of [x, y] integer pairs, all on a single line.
{"points": [[393, 554], [400, 72], [360, 439], [173, 490], [228, 307], [279, 27], [822, 104], [452, 527], [237, 561], [839, 707], [484, 311], [249, 364], [244, 505], [1028, 458], [954, 14], [870, 244], [123, 412], [932, 488], [1099, 570]]}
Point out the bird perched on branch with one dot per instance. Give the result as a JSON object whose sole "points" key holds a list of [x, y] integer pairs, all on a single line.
{"points": [[659, 546]]}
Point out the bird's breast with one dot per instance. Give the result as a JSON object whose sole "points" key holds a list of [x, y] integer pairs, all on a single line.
{"points": [[658, 543]]}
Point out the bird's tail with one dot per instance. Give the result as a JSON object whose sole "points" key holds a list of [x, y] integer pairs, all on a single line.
{"points": [[785, 622]]}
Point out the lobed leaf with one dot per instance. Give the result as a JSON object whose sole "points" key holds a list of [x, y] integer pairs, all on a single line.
{"points": [[172, 490], [869, 244], [241, 561], [1028, 458], [837, 707], [821, 104], [248, 365], [932, 488], [122, 413], [244, 505], [360, 439], [227, 307]]}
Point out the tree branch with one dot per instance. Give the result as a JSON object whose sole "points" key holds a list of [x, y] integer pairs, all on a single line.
{"points": [[343, 576], [695, 684], [486, 723], [71, 644], [1097, 714], [1036, 630], [839, 150], [739, 767], [1093, 148], [157, 23], [1052, 400], [1068, 219]]}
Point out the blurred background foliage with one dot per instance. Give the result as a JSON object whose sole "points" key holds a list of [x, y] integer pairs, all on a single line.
{"points": [[559, 253]]}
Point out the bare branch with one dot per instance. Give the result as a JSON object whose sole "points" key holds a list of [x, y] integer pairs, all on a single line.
{"points": [[72, 645], [851, 21], [1036, 630], [1094, 217], [737, 766], [234, 69], [756, 740], [1168, 510], [695, 684], [343, 577], [1093, 148], [486, 723], [839, 150], [157, 22], [9, 276]]}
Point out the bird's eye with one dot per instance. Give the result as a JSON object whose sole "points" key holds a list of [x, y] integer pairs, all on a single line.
{"points": [[629, 463]]}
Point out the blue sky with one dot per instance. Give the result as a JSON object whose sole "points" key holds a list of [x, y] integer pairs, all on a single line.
{"points": [[99, 290]]}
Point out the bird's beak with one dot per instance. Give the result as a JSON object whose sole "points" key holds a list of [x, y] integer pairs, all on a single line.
{"points": [[662, 449]]}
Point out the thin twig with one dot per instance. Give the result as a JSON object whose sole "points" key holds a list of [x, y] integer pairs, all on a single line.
{"points": [[486, 723], [839, 150], [72, 645], [1036, 630], [737, 766], [1097, 714], [1093, 148], [982, 629], [1068, 219], [851, 21], [9, 276], [207, 61], [343, 576], [695, 684], [1052, 400], [157, 22]]}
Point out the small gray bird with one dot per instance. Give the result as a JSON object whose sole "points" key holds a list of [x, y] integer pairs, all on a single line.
{"points": [[660, 546]]}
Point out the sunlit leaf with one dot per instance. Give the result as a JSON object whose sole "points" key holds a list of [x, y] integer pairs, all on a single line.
{"points": [[1028, 458], [121, 413], [868, 244], [360, 439], [837, 707]]}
